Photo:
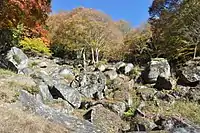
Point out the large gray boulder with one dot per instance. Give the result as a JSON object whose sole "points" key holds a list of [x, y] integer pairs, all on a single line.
{"points": [[128, 68], [190, 73], [69, 94], [44, 92], [105, 119], [91, 85], [58, 89], [17, 58], [125, 68], [156, 67], [74, 124], [163, 83]]}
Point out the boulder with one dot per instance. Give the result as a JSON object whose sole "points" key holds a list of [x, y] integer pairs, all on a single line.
{"points": [[42, 65], [125, 69], [44, 92], [128, 68], [102, 67], [118, 107], [163, 83], [146, 93], [66, 72], [59, 89], [105, 119], [120, 65], [74, 124], [178, 125], [17, 58], [61, 106], [156, 67], [193, 94], [141, 124], [112, 74], [67, 93], [190, 73], [91, 85]]}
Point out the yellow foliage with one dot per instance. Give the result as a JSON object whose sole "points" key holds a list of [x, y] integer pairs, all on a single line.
{"points": [[34, 45]]}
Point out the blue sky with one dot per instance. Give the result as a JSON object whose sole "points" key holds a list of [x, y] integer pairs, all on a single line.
{"points": [[133, 11]]}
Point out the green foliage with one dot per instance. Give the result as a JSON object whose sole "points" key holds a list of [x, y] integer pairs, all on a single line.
{"points": [[176, 28], [137, 42], [135, 72], [17, 34], [33, 64], [129, 113], [6, 72], [136, 102], [35, 46], [6, 40]]}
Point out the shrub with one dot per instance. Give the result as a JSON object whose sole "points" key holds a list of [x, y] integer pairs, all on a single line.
{"points": [[34, 46]]}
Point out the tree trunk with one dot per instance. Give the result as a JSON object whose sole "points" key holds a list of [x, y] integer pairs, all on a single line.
{"points": [[195, 51], [93, 60], [97, 55], [84, 60]]}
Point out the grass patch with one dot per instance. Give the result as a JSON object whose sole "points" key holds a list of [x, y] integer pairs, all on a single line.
{"points": [[136, 102], [17, 121], [135, 72], [6, 72], [33, 64], [11, 83], [183, 109], [102, 62], [31, 89]]}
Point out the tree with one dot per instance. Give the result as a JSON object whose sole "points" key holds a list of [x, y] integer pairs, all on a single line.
{"points": [[31, 14], [27, 12], [87, 30], [123, 26], [162, 14], [175, 27], [138, 44]]}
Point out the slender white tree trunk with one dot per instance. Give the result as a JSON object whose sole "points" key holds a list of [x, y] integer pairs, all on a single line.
{"points": [[84, 60], [93, 60], [97, 55], [195, 51]]}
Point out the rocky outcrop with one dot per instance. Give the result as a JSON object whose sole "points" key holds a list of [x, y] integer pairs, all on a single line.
{"points": [[91, 85], [73, 124], [108, 96], [105, 119], [111, 75], [163, 83], [18, 58], [190, 73], [156, 67]]}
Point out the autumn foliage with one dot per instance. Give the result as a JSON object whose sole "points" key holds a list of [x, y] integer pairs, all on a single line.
{"points": [[86, 29], [27, 12]]}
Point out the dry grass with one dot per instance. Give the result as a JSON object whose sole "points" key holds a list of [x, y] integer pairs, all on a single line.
{"points": [[13, 120], [16, 121]]}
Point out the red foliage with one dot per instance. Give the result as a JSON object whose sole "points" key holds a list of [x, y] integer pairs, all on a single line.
{"points": [[28, 12]]}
